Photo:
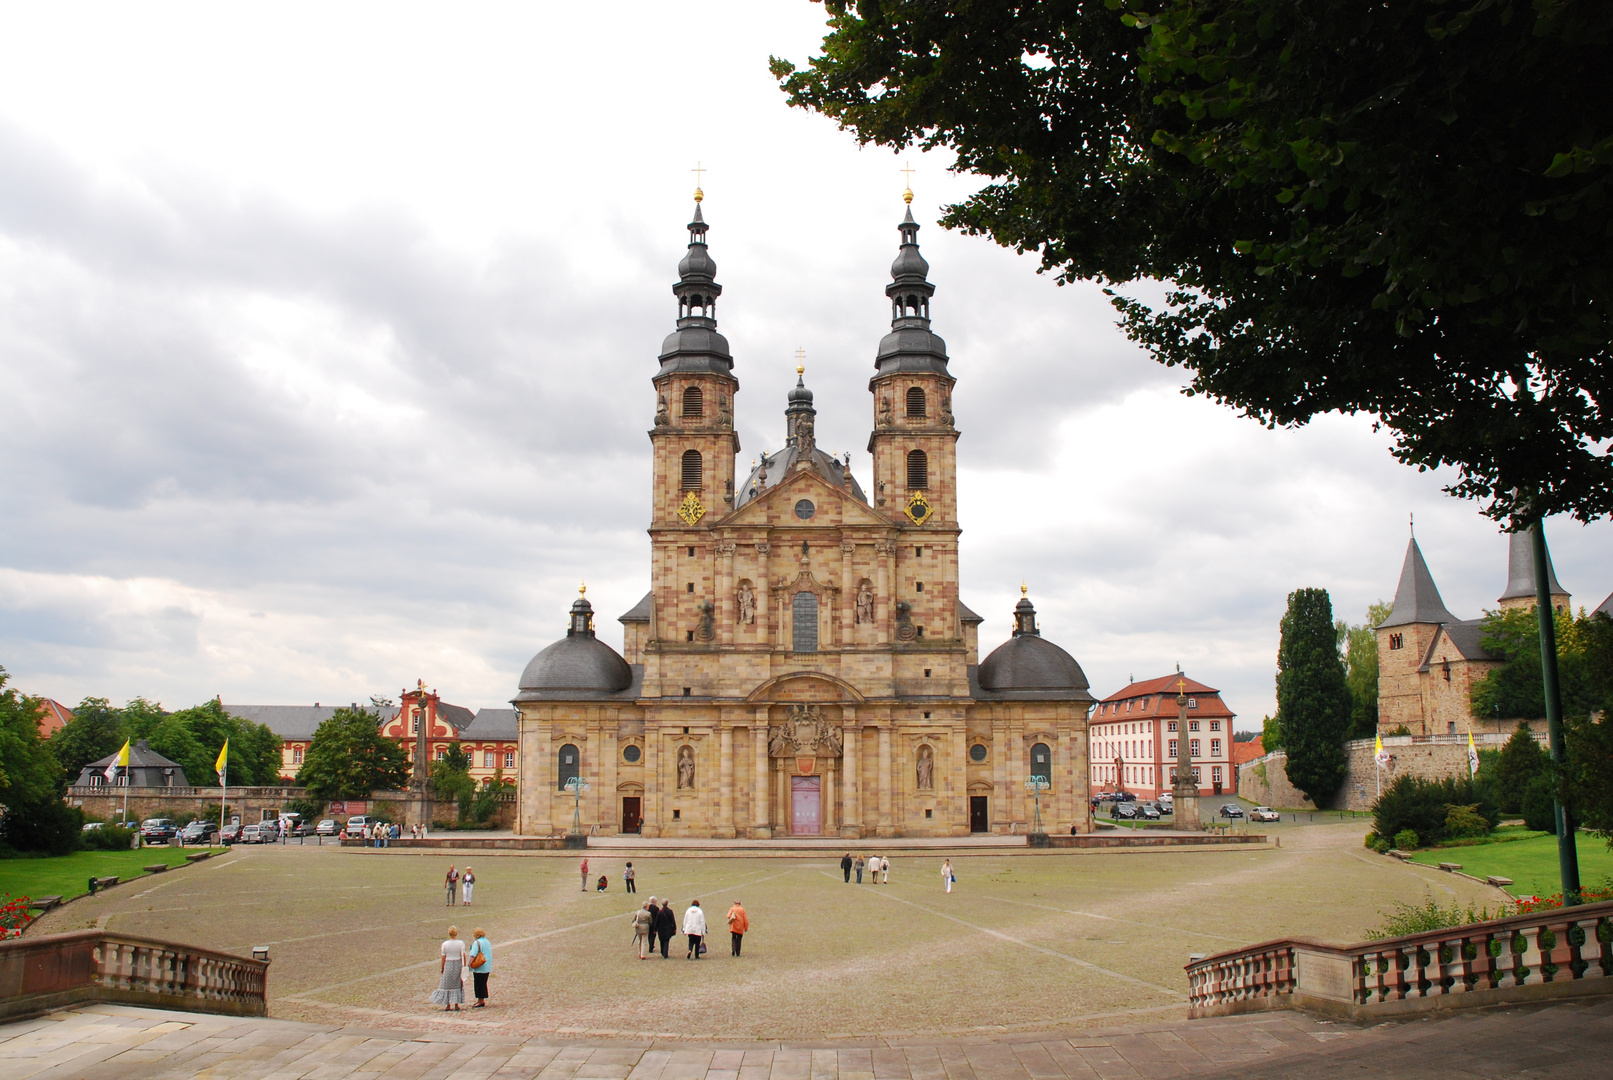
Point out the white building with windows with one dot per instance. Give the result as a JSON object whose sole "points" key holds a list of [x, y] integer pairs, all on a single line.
{"points": [[1134, 733]]}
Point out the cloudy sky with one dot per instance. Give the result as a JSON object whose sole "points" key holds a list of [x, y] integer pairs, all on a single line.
{"points": [[326, 334]]}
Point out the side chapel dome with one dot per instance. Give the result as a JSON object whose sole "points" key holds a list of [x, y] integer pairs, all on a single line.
{"points": [[1028, 661], [579, 661]]}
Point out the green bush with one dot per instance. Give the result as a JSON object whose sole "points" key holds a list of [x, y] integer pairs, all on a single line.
{"points": [[1423, 806], [1463, 822], [47, 826], [1419, 918], [1406, 839], [109, 838], [1380, 845], [1538, 811]]}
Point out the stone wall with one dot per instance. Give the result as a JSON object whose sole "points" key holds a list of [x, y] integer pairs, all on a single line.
{"points": [[1264, 780], [254, 804]]}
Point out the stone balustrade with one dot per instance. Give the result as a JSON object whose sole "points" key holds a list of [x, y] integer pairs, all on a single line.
{"points": [[39, 974], [1566, 952]]}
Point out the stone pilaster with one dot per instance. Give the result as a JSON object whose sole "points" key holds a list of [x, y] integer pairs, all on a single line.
{"points": [[761, 809], [725, 798], [885, 780], [851, 737]]}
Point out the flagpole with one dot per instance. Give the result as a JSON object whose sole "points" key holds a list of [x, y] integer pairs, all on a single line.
{"points": [[223, 793]]}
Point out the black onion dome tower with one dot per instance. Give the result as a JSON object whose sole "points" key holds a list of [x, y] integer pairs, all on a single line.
{"points": [[1027, 664], [578, 665], [696, 346]]}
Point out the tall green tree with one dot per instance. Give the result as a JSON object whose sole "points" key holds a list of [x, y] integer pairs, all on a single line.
{"points": [[450, 778], [1514, 691], [1522, 759], [95, 731], [348, 758], [1398, 209], [32, 814], [1313, 701], [1360, 646]]}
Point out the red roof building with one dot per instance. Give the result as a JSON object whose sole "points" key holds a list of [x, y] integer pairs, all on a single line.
{"points": [[53, 716], [1133, 734]]}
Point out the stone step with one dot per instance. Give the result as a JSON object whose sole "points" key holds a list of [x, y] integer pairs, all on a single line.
{"points": [[1449, 867]]}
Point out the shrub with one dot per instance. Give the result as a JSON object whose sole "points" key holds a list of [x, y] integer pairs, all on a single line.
{"points": [[1380, 845], [109, 838], [13, 915], [1462, 822], [1539, 813], [1406, 839], [1423, 806], [1418, 918], [48, 826]]}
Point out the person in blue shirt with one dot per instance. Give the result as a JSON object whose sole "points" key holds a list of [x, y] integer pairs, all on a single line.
{"points": [[481, 965]]}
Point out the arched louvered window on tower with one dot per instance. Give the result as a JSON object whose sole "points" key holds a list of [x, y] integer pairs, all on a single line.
{"points": [[694, 402], [692, 471], [915, 402], [918, 470]]}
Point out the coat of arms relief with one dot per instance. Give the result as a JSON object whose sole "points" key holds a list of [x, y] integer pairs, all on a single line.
{"points": [[804, 733]]}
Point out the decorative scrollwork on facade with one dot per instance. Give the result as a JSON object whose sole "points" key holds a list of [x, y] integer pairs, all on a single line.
{"points": [[806, 732]]}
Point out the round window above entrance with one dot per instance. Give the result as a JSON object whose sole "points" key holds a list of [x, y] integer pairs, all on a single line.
{"points": [[977, 752], [631, 753], [804, 509]]}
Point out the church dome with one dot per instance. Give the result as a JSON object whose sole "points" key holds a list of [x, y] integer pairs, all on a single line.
{"points": [[578, 662], [1028, 661]]}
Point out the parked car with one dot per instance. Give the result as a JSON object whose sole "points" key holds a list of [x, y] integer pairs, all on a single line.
{"points": [[1264, 813], [357, 824], [1126, 810], [328, 827], [199, 831], [1149, 811], [91, 826], [157, 829], [230, 834], [1231, 810]]}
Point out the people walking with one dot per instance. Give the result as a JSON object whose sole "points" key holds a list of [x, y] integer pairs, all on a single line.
{"points": [[467, 885], [481, 964], [584, 869], [857, 865], [845, 866], [873, 869], [450, 992], [694, 928], [884, 870], [666, 924], [643, 930], [738, 923], [628, 876], [946, 875], [452, 881]]}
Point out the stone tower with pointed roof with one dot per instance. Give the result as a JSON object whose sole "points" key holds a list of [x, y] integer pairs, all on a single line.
{"points": [[803, 664]]}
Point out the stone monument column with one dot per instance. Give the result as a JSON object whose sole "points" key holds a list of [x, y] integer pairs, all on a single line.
{"points": [[419, 799], [1185, 792]]}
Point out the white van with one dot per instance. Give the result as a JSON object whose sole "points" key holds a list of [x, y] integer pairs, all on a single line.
{"points": [[357, 826]]}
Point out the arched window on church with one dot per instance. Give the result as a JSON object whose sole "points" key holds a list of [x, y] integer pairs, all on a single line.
{"points": [[694, 403], [1042, 762], [805, 611], [918, 470], [692, 472], [915, 402], [569, 764]]}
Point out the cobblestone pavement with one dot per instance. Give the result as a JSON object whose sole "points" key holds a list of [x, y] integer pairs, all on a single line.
{"points": [[1567, 1040]]}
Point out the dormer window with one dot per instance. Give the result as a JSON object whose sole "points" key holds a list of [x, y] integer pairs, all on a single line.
{"points": [[694, 403], [916, 403]]}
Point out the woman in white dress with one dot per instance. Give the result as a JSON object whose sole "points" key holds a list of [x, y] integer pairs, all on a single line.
{"points": [[467, 884], [450, 992], [946, 874]]}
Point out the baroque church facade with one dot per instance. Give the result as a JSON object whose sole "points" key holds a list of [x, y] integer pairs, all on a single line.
{"points": [[803, 664]]}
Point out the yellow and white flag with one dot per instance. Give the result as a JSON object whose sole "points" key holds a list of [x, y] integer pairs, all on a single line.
{"points": [[223, 758], [1382, 756], [119, 762], [1472, 755]]}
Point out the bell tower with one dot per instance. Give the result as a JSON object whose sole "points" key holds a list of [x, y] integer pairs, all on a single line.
{"points": [[694, 444]]}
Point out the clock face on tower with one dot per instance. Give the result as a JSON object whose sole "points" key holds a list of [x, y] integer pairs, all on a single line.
{"points": [[691, 509], [918, 509]]}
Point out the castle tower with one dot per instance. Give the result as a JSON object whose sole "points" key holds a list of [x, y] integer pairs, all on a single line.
{"points": [[694, 446], [1520, 592], [1403, 642], [914, 446]]}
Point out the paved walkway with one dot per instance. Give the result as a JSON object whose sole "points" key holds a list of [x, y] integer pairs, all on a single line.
{"points": [[1567, 1040]]}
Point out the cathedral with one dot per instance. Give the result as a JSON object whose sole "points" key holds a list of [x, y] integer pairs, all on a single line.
{"points": [[803, 664]]}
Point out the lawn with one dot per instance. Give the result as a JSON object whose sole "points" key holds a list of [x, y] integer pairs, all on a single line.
{"points": [[1531, 863], [68, 876]]}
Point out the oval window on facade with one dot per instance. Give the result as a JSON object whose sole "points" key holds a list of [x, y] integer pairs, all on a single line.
{"points": [[804, 509]]}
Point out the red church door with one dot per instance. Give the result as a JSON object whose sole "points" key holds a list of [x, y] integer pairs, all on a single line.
{"points": [[806, 805]]}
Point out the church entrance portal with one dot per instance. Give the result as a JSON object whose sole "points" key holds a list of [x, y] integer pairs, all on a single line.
{"points": [[806, 805], [632, 815], [978, 819]]}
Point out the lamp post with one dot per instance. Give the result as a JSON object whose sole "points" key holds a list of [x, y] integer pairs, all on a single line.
{"points": [[1567, 856], [1036, 784], [576, 785]]}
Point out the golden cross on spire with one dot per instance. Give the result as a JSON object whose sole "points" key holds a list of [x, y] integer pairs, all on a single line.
{"points": [[698, 171], [582, 588], [907, 196], [1181, 684], [800, 359], [1023, 588]]}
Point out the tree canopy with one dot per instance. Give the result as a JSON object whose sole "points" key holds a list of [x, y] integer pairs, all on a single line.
{"points": [[1360, 646], [348, 758], [1514, 691], [192, 737], [1397, 209], [33, 816], [1313, 701]]}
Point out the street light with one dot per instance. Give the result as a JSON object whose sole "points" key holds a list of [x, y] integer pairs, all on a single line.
{"points": [[576, 785], [1036, 784]]}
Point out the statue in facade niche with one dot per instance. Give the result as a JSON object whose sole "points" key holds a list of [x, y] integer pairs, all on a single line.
{"points": [[926, 769], [686, 768], [885, 411], [865, 603], [747, 603], [663, 417]]}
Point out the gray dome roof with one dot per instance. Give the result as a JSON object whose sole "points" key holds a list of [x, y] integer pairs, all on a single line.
{"points": [[1028, 662], [578, 662]]}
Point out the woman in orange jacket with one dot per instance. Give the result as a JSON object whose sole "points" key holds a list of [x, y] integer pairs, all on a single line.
{"points": [[738, 923]]}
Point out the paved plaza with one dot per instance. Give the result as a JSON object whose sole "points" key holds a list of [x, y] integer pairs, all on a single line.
{"points": [[1025, 943]]}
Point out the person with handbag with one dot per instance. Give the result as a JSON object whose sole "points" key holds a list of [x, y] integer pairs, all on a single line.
{"points": [[481, 965], [694, 928], [946, 875], [738, 923]]}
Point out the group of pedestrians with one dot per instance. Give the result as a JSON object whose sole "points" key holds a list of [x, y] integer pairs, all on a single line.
{"points": [[466, 883], [655, 921], [878, 867], [456, 958]]}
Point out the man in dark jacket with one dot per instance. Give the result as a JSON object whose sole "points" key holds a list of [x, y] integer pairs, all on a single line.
{"points": [[845, 867], [666, 924]]}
